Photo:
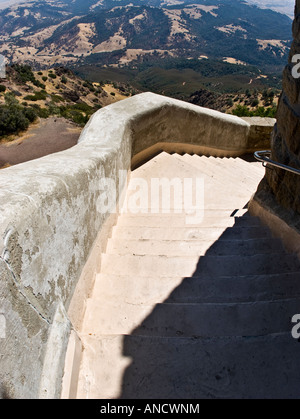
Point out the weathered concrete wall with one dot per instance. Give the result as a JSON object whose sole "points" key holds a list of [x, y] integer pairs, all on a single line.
{"points": [[279, 192], [260, 132], [53, 229], [49, 220]]}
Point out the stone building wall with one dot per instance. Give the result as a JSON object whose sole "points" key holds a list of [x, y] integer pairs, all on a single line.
{"points": [[280, 190]]}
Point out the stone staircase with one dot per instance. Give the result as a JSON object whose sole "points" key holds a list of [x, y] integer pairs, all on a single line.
{"points": [[191, 311]]}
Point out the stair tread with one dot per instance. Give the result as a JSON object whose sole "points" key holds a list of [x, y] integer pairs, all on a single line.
{"points": [[229, 169], [193, 265], [148, 290], [190, 232], [190, 368], [178, 319], [180, 220], [195, 247], [254, 169]]}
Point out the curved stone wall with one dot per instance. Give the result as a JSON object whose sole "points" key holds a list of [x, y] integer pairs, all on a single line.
{"points": [[53, 227]]}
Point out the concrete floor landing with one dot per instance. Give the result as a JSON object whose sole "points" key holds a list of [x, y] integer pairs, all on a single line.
{"points": [[183, 310]]}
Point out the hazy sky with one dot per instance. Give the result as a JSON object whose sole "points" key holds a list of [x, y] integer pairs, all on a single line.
{"points": [[6, 3], [283, 6], [287, 5]]}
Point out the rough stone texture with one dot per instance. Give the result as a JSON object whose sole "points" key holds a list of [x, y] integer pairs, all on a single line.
{"points": [[51, 215], [279, 191], [260, 132]]}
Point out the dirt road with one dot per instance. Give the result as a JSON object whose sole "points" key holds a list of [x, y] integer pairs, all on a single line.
{"points": [[45, 137]]}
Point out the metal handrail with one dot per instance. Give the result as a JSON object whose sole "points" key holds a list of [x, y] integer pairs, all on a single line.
{"points": [[261, 156]]}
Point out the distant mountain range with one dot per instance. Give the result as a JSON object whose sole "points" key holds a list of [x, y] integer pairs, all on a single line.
{"points": [[122, 33]]}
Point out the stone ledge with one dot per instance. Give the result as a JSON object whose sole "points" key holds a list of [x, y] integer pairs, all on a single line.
{"points": [[260, 132]]}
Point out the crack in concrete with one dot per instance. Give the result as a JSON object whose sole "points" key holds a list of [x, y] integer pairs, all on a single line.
{"points": [[35, 306]]}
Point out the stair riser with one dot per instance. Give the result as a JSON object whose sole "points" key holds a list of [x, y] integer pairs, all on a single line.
{"points": [[193, 248], [195, 266], [220, 214], [189, 233], [223, 174], [151, 290], [180, 221], [187, 320], [232, 176], [208, 202], [237, 166]]}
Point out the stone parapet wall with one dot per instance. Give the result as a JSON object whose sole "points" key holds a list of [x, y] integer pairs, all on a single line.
{"points": [[49, 221]]}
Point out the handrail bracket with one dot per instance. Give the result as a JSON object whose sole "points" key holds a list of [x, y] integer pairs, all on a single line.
{"points": [[264, 157]]}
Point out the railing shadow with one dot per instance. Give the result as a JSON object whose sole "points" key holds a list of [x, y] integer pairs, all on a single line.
{"points": [[220, 335]]}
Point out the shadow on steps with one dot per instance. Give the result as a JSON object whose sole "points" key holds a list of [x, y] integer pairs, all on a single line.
{"points": [[223, 333]]}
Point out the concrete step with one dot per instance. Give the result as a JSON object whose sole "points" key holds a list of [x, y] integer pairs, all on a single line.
{"points": [[187, 320], [194, 247], [186, 208], [207, 198], [189, 233], [256, 166], [252, 170], [249, 169], [165, 165], [179, 220], [221, 175], [241, 176], [220, 213], [248, 288], [231, 167], [168, 167], [203, 289], [194, 266], [143, 367]]}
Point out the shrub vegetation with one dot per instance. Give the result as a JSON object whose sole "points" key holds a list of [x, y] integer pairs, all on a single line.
{"points": [[15, 117]]}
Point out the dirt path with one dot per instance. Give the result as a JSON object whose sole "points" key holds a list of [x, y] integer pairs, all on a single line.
{"points": [[47, 136]]}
